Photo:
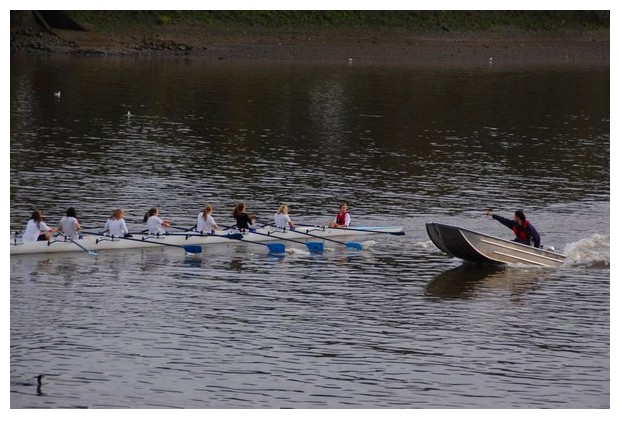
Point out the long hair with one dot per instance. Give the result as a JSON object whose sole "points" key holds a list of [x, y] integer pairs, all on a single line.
{"points": [[150, 213], [71, 212], [117, 214], [207, 211], [283, 209], [37, 216], [240, 208]]}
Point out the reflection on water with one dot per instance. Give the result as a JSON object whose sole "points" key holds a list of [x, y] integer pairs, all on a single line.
{"points": [[396, 325], [467, 280]]}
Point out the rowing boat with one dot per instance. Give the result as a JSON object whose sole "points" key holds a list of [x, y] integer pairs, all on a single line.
{"points": [[481, 248], [98, 242]]}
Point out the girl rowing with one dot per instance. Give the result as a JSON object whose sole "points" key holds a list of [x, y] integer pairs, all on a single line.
{"points": [[244, 220], [36, 229], [154, 223], [205, 224], [281, 219], [69, 225], [116, 225]]}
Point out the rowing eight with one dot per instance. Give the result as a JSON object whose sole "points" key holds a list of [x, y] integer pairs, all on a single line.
{"points": [[98, 242]]}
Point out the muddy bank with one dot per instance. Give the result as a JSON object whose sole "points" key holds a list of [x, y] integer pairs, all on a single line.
{"points": [[591, 47]]}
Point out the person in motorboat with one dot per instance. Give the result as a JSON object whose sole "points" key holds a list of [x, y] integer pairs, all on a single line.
{"points": [[36, 229], [281, 218], [524, 231], [69, 224], [244, 220], [205, 224], [116, 225], [154, 223], [343, 218]]}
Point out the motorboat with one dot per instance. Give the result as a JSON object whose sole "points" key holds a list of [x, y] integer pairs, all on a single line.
{"points": [[482, 248]]}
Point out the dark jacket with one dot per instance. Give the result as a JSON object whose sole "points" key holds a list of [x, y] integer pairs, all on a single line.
{"points": [[530, 231], [243, 221]]}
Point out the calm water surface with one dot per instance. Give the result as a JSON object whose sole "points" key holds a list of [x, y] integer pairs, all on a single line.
{"points": [[399, 325]]}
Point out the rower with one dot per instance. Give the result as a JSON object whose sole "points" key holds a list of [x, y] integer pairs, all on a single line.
{"points": [[244, 220], [281, 219], [154, 223], [205, 224]]}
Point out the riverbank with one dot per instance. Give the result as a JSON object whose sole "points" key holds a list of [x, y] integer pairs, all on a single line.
{"points": [[247, 43]]}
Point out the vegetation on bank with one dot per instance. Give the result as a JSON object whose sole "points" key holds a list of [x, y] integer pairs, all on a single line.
{"points": [[411, 20]]}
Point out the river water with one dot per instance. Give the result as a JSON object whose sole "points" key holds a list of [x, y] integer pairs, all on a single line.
{"points": [[397, 326]]}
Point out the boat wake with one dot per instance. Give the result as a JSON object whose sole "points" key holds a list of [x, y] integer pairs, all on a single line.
{"points": [[296, 251], [368, 244], [591, 252]]}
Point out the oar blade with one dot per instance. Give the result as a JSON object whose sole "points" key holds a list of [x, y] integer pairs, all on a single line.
{"points": [[276, 247], [193, 249], [354, 245], [314, 247]]}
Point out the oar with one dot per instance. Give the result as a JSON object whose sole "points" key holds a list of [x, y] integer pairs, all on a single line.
{"points": [[311, 245], [349, 244], [224, 228], [368, 230], [374, 231], [187, 248], [90, 252], [183, 229], [273, 247], [82, 228]]}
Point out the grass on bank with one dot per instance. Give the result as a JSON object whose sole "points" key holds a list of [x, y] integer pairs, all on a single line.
{"points": [[451, 20]]}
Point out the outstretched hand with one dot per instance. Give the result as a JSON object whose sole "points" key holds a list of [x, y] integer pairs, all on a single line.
{"points": [[489, 212]]}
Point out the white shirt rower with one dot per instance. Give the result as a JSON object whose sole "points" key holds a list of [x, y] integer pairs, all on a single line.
{"points": [[34, 229], [116, 227], [205, 225], [69, 226], [155, 225], [281, 219]]}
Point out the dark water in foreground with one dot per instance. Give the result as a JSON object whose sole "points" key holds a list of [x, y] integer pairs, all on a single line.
{"points": [[399, 325]]}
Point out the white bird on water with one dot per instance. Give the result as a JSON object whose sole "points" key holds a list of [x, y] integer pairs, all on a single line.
{"points": [[57, 94], [128, 114]]}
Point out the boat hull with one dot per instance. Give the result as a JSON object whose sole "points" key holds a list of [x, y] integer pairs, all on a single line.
{"points": [[481, 248], [96, 242]]}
